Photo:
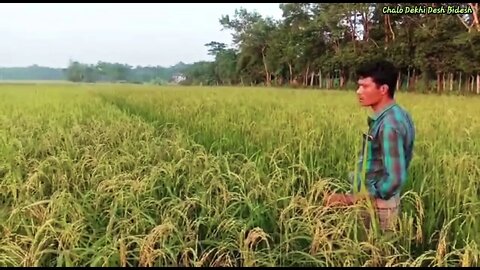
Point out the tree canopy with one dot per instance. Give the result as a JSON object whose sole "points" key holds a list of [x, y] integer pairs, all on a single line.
{"points": [[320, 44]]}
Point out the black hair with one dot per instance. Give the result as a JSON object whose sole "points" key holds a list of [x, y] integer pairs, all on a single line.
{"points": [[381, 72]]}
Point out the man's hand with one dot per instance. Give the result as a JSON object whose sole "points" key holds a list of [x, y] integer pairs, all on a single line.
{"points": [[361, 197], [338, 199]]}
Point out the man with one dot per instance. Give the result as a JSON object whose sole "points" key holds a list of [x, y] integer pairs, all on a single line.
{"points": [[389, 147]]}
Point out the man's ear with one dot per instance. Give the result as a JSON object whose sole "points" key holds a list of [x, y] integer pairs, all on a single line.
{"points": [[384, 89]]}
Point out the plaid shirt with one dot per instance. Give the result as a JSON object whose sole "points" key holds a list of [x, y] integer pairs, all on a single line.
{"points": [[389, 152]]}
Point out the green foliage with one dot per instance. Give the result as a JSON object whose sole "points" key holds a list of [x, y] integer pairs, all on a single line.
{"points": [[31, 73], [328, 41]]}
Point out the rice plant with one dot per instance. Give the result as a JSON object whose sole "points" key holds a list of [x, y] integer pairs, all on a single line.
{"points": [[118, 175]]}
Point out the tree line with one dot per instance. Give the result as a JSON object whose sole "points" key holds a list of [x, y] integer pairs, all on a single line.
{"points": [[116, 72], [33, 72], [319, 45], [91, 73]]}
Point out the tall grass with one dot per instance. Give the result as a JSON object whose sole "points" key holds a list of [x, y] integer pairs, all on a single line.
{"points": [[142, 176]]}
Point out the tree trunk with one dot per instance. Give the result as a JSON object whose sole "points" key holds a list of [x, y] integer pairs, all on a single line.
{"points": [[467, 84], [312, 77], [352, 28], [267, 74], [398, 80], [478, 83], [476, 20], [408, 79], [444, 82], [291, 73], [385, 25], [466, 88], [427, 83], [475, 23], [460, 82], [365, 27], [305, 81], [391, 29], [334, 79], [439, 83], [329, 81], [472, 83], [451, 81], [342, 78], [413, 81], [320, 78]]}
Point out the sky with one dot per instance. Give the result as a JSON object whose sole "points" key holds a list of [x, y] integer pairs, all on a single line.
{"points": [[135, 34]]}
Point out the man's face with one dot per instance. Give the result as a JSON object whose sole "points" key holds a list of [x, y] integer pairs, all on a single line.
{"points": [[368, 92]]}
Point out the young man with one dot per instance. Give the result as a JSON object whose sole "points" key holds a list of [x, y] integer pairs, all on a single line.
{"points": [[390, 143]]}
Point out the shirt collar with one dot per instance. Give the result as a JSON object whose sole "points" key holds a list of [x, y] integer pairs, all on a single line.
{"points": [[372, 119]]}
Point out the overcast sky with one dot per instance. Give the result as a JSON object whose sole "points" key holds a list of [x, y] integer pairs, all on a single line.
{"points": [[135, 34]]}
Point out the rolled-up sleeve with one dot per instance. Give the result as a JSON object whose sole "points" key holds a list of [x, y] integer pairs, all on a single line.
{"points": [[394, 163]]}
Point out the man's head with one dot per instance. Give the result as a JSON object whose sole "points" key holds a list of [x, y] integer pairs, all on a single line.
{"points": [[376, 83]]}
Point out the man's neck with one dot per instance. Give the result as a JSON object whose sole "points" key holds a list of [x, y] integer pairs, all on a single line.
{"points": [[377, 108]]}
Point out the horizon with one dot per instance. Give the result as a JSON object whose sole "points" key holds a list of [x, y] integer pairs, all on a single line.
{"points": [[50, 35], [66, 67]]}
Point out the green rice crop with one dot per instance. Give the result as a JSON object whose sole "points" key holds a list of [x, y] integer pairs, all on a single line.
{"points": [[119, 175]]}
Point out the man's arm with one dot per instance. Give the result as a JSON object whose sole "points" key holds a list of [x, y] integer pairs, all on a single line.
{"points": [[394, 162]]}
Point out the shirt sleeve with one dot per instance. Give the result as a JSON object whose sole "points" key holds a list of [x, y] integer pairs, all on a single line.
{"points": [[394, 163]]}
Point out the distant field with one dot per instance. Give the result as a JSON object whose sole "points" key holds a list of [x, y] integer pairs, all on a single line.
{"points": [[105, 175]]}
